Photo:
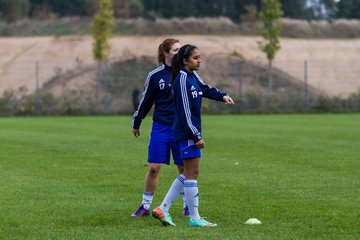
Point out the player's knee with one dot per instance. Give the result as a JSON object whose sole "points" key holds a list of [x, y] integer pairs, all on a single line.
{"points": [[195, 173], [191, 174], [154, 170]]}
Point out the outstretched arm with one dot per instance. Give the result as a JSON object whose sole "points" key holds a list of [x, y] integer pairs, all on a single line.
{"points": [[213, 93]]}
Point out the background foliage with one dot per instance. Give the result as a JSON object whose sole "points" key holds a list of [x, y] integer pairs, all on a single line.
{"points": [[127, 77], [11, 10]]}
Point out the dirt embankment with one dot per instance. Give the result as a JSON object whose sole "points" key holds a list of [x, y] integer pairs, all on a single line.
{"points": [[333, 65]]}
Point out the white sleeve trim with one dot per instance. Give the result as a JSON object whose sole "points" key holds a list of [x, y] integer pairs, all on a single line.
{"points": [[146, 86], [186, 105]]}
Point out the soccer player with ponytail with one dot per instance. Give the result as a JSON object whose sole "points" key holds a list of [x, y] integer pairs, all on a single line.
{"points": [[157, 91], [188, 90]]}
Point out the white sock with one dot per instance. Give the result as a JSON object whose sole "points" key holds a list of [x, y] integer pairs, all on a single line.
{"points": [[147, 199], [174, 192], [192, 196]]}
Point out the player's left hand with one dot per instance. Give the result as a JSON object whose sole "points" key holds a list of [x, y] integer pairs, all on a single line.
{"points": [[228, 100]]}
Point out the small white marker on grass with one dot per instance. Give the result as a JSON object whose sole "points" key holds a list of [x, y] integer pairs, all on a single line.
{"points": [[252, 221]]}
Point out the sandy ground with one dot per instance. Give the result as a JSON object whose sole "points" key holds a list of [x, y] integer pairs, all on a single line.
{"points": [[333, 65]]}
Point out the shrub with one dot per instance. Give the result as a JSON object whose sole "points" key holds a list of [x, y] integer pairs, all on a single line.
{"points": [[8, 103], [12, 10]]}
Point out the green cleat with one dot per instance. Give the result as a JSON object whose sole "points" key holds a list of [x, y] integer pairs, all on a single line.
{"points": [[163, 216], [201, 223]]}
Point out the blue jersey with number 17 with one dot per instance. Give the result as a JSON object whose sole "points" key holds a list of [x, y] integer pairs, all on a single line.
{"points": [[157, 91]]}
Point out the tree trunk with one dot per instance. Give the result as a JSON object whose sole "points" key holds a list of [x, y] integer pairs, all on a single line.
{"points": [[270, 79], [98, 87], [106, 100]]}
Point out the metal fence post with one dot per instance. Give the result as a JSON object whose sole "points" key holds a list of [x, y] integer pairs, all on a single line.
{"points": [[37, 91], [240, 85], [306, 101]]}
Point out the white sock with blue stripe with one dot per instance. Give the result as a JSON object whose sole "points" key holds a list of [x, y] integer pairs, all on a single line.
{"points": [[192, 196], [147, 199], [174, 192]]}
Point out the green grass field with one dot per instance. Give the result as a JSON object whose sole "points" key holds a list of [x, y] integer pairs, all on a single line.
{"points": [[82, 177]]}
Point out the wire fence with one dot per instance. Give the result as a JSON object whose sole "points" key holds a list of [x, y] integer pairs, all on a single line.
{"points": [[77, 87]]}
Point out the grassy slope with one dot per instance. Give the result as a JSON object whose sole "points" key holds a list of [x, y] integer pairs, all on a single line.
{"points": [[293, 28], [81, 177]]}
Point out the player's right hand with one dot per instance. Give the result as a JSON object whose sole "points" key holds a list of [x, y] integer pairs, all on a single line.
{"points": [[136, 132]]}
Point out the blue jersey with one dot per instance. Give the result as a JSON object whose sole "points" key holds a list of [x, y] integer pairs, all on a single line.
{"points": [[189, 89], [157, 91]]}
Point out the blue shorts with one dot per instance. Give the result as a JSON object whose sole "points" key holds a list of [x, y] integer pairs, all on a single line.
{"points": [[161, 142], [189, 150]]}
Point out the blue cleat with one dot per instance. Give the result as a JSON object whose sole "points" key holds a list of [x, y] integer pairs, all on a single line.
{"points": [[201, 223]]}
